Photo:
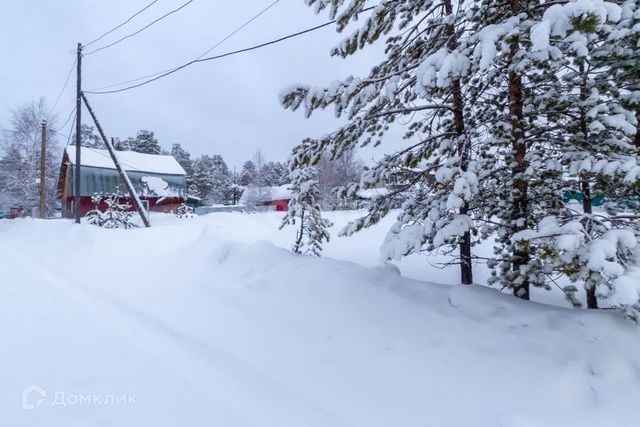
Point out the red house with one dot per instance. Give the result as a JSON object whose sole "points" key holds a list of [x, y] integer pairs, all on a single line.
{"points": [[270, 198], [159, 180]]}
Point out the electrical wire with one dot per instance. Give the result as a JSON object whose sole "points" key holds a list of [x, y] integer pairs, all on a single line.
{"points": [[234, 32], [67, 121], [67, 137], [141, 29], [239, 29], [121, 25], [235, 52], [70, 132], [64, 86]]}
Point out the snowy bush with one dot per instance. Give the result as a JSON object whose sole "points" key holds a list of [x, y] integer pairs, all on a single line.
{"points": [[116, 214], [185, 211]]}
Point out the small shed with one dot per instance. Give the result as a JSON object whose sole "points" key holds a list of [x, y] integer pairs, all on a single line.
{"points": [[159, 180]]}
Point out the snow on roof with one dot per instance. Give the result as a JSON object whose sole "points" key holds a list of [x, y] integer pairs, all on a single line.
{"points": [[280, 193], [130, 161], [267, 194]]}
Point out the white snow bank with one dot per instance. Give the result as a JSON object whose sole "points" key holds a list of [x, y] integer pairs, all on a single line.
{"points": [[205, 330]]}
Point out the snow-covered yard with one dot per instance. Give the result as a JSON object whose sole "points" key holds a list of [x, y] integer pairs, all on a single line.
{"points": [[212, 322]]}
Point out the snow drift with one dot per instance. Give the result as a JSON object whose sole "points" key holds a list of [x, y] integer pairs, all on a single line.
{"points": [[205, 330]]}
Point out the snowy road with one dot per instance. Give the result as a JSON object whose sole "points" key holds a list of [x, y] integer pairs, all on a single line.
{"points": [[220, 387], [184, 325]]}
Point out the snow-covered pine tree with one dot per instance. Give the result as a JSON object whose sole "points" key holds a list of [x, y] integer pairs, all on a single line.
{"points": [[88, 138], [621, 52], [212, 178], [597, 132], [516, 89], [183, 157], [124, 145], [202, 170], [275, 174], [423, 80], [305, 214], [248, 173], [598, 155], [220, 180], [146, 142], [570, 127]]}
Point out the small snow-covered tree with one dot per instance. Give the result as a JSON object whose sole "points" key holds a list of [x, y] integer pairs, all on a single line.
{"points": [[305, 213], [115, 215]]}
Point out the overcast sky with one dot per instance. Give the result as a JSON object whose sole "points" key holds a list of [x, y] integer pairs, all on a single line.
{"points": [[227, 107]]}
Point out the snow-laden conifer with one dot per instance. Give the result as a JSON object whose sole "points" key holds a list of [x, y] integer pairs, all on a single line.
{"points": [[420, 87], [305, 214]]}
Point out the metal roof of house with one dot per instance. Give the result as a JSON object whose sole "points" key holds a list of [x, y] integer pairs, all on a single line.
{"points": [[130, 161]]}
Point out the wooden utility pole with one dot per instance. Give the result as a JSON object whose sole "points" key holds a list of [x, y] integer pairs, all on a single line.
{"points": [[43, 156], [76, 186], [123, 175]]}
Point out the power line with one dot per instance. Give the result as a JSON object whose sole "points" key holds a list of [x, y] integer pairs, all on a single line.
{"points": [[141, 29], [234, 32], [64, 86], [235, 52], [68, 137], [239, 28], [67, 121], [122, 24]]}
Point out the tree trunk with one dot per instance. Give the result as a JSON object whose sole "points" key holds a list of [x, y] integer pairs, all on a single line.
{"points": [[585, 183], [520, 206], [466, 268], [638, 129], [592, 299]]}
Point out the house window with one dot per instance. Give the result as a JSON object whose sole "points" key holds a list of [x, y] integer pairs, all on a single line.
{"points": [[145, 204]]}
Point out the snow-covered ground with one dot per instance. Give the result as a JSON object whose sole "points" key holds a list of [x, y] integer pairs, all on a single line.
{"points": [[210, 322]]}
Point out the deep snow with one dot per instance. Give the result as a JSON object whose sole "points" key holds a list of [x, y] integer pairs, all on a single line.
{"points": [[205, 324]]}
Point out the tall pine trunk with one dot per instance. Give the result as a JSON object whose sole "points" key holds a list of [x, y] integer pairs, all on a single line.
{"points": [[585, 183], [466, 269], [637, 139], [520, 208]]}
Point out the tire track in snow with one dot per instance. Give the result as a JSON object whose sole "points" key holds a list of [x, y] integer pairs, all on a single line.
{"points": [[227, 381]]}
